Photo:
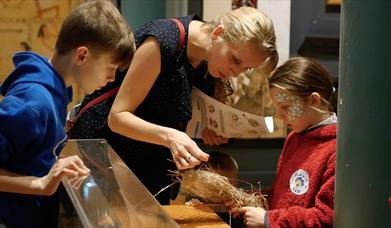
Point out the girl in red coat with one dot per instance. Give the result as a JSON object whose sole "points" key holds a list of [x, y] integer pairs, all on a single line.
{"points": [[303, 191]]}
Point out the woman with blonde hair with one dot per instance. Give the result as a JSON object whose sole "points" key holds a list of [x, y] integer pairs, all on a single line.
{"points": [[153, 106]]}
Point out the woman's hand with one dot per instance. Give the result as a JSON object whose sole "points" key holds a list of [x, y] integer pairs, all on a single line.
{"points": [[194, 202], [184, 150], [71, 166], [211, 138]]}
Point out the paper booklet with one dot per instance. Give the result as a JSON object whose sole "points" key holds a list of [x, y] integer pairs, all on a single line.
{"points": [[224, 119]]}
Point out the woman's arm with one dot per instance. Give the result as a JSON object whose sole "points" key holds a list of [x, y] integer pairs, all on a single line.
{"points": [[138, 81], [46, 185]]}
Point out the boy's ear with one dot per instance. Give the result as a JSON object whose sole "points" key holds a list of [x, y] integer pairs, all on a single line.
{"points": [[218, 31], [81, 54], [315, 99]]}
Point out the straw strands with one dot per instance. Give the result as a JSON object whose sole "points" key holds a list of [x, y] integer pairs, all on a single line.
{"points": [[216, 189]]}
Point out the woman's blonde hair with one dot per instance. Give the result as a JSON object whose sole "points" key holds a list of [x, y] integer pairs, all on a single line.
{"points": [[250, 24]]}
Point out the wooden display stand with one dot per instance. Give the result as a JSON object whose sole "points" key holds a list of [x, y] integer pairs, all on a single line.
{"points": [[192, 217]]}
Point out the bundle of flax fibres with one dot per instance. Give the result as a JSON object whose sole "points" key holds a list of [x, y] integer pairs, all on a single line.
{"points": [[217, 189]]}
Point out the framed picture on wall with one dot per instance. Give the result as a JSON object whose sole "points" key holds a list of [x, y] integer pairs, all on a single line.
{"points": [[30, 25]]}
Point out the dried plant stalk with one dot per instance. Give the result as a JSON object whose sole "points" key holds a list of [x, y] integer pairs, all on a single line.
{"points": [[214, 188]]}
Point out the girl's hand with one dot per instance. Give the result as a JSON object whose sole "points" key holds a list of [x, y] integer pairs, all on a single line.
{"points": [[253, 217], [71, 166], [184, 150], [211, 138]]}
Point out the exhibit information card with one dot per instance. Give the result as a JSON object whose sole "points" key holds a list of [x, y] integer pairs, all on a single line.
{"points": [[224, 120]]}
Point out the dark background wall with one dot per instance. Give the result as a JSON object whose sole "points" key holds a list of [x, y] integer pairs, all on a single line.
{"points": [[256, 159]]}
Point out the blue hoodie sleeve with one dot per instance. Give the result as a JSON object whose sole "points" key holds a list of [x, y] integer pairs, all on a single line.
{"points": [[19, 126]]}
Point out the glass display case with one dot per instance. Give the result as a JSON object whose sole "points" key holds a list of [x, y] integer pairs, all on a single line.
{"points": [[111, 196]]}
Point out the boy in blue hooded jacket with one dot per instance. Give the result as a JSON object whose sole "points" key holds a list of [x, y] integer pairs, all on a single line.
{"points": [[94, 41]]}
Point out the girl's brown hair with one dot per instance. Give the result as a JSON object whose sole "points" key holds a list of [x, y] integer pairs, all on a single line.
{"points": [[302, 76]]}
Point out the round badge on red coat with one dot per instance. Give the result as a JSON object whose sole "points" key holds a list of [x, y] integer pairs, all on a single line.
{"points": [[299, 182]]}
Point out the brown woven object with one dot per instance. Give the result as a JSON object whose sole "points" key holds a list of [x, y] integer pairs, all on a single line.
{"points": [[217, 189]]}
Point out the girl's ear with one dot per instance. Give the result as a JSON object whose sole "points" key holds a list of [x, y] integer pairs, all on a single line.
{"points": [[80, 55], [315, 99]]}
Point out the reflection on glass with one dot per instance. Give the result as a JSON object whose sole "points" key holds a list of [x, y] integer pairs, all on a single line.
{"points": [[111, 196]]}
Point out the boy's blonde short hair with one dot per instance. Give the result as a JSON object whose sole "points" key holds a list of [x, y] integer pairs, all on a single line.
{"points": [[99, 26], [250, 24]]}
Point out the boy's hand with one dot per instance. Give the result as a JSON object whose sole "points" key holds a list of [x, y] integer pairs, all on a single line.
{"points": [[211, 138], [71, 166]]}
